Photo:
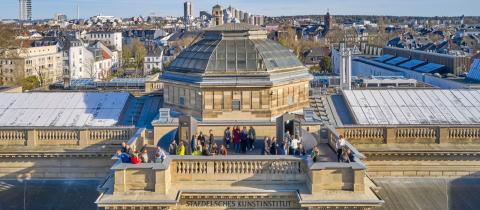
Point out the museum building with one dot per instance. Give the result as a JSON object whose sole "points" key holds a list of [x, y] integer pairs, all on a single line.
{"points": [[235, 72]]}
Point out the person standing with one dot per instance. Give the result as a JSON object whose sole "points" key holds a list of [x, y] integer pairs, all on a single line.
{"points": [[340, 144], [211, 139], [274, 146], [294, 145], [172, 149], [244, 139], [236, 139], [193, 143], [285, 146], [266, 146], [227, 137], [252, 136], [181, 149], [201, 139]]}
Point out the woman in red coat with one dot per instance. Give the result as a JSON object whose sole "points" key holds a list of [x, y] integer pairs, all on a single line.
{"points": [[134, 159]]}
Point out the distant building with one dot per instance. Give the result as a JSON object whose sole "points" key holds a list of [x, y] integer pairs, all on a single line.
{"points": [[153, 61], [204, 15], [111, 39], [217, 13], [25, 9], [454, 64], [187, 11], [315, 55], [60, 17], [43, 61], [327, 22]]}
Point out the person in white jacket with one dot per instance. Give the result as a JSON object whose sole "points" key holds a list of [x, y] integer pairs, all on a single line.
{"points": [[340, 144]]}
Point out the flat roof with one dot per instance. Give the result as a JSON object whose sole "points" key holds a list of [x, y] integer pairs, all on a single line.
{"points": [[414, 107], [61, 109]]}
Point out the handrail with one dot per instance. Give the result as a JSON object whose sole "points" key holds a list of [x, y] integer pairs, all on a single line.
{"points": [[354, 150]]}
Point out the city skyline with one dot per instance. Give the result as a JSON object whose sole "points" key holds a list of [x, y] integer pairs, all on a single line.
{"points": [[123, 8]]}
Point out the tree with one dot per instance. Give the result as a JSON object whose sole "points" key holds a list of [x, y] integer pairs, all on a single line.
{"points": [[326, 64], [155, 70], [138, 52], [126, 56], [89, 65], [30, 82]]}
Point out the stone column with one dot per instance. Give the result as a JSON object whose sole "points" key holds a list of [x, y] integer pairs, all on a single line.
{"points": [[162, 180], [358, 181], [120, 182]]}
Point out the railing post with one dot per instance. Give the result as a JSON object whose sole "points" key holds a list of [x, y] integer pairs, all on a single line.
{"points": [[390, 135], [83, 138], [442, 135], [32, 137], [210, 167]]}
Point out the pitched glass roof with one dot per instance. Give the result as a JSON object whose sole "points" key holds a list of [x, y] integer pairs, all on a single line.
{"points": [[234, 54], [430, 68], [412, 64], [397, 60], [474, 72], [384, 58]]}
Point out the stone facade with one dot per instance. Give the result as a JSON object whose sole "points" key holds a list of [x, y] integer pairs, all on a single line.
{"points": [[220, 103], [45, 62], [240, 182], [417, 151]]}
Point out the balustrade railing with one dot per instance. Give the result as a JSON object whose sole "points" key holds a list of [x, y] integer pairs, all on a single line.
{"points": [[63, 136], [13, 137]]}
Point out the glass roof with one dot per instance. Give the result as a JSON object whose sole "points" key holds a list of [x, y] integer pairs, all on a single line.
{"points": [[234, 55]]}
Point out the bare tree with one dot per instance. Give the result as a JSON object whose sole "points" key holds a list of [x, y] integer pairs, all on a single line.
{"points": [[89, 65]]}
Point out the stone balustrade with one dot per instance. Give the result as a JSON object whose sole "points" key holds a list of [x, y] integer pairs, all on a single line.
{"points": [[12, 137], [64, 136], [202, 172], [411, 134]]}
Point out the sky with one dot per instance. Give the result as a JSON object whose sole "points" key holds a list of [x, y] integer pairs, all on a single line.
{"points": [[129, 8]]}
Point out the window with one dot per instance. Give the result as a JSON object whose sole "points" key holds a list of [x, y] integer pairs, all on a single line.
{"points": [[182, 100], [290, 100], [236, 105]]}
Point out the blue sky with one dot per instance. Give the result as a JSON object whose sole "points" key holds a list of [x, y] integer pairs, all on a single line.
{"points": [[128, 8]]}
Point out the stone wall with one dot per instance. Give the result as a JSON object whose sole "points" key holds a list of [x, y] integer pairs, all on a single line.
{"points": [[54, 167], [223, 172], [418, 151]]}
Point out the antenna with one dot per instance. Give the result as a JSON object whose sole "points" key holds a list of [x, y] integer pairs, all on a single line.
{"points": [[78, 12]]}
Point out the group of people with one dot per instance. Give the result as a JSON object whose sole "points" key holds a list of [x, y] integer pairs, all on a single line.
{"points": [[127, 155], [289, 146], [344, 153], [243, 140]]}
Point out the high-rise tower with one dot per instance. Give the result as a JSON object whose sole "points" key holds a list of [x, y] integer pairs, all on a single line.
{"points": [[187, 11], [25, 9]]}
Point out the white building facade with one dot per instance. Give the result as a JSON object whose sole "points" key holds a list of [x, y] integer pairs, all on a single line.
{"points": [[113, 39]]}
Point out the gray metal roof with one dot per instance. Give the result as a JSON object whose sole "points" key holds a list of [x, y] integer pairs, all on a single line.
{"points": [[63, 109], [405, 107]]}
